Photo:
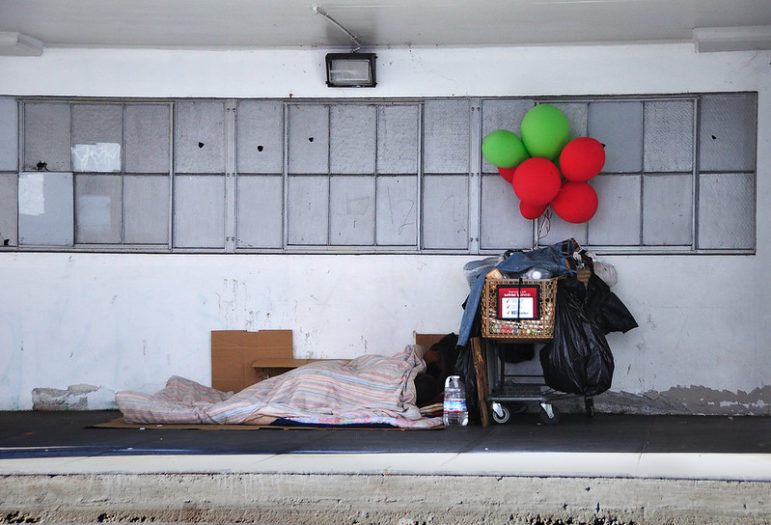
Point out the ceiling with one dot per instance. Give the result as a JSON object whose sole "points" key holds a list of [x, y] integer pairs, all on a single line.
{"points": [[259, 24]]}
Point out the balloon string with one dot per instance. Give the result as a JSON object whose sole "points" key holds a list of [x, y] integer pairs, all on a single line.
{"points": [[544, 224]]}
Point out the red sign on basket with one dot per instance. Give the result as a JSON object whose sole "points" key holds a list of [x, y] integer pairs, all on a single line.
{"points": [[518, 302]]}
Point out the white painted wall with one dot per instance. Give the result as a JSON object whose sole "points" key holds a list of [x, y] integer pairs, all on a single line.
{"points": [[130, 321]]}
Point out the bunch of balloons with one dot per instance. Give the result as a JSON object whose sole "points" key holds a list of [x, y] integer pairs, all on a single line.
{"points": [[546, 167]]}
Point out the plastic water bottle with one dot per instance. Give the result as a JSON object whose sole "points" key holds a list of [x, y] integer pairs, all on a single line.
{"points": [[455, 412]]}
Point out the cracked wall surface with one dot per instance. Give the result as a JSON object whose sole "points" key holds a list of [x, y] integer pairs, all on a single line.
{"points": [[131, 320]]}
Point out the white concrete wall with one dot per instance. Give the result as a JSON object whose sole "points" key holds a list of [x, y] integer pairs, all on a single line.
{"points": [[130, 321]]}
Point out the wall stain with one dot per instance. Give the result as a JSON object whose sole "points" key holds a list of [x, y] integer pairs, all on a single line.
{"points": [[692, 400]]}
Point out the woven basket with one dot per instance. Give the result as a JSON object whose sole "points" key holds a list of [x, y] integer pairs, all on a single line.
{"points": [[521, 330]]}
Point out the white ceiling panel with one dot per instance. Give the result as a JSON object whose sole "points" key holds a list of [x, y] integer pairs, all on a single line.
{"points": [[376, 23]]}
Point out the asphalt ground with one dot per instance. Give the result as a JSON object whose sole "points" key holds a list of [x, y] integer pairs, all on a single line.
{"points": [[32, 434]]}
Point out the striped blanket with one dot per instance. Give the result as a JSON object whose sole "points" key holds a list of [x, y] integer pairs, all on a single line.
{"points": [[370, 389]]}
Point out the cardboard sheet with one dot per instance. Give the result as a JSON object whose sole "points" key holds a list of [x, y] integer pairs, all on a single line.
{"points": [[120, 423], [234, 351], [427, 340]]}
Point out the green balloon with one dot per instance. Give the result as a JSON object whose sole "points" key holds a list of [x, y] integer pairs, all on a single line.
{"points": [[503, 149], [545, 131]]}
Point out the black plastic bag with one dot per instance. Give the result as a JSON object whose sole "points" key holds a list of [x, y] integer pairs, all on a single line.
{"points": [[606, 309], [601, 305], [578, 360], [464, 367]]}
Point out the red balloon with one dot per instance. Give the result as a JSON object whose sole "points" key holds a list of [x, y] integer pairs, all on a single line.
{"points": [[529, 211], [576, 202], [507, 173], [536, 181], [581, 159]]}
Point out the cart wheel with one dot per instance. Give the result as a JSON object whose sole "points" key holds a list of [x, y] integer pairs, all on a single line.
{"points": [[589, 406], [501, 413], [549, 414]]}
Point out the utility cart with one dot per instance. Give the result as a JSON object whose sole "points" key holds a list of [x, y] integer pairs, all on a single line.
{"points": [[514, 386], [517, 311]]}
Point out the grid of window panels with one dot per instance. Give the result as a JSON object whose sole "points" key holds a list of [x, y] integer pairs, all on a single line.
{"points": [[257, 175]]}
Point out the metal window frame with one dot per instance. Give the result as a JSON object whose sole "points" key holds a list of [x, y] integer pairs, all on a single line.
{"points": [[474, 180], [350, 248], [99, 247]]}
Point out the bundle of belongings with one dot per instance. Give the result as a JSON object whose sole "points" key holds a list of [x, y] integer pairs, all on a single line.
{"points": [[578, 359], [370, 390]]}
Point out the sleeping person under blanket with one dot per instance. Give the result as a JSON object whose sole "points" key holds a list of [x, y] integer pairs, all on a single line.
{"points": [[370, 389]]}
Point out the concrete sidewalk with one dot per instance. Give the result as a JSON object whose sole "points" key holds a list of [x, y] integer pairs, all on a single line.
{"points": [[609, 469], [682, 466]]}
